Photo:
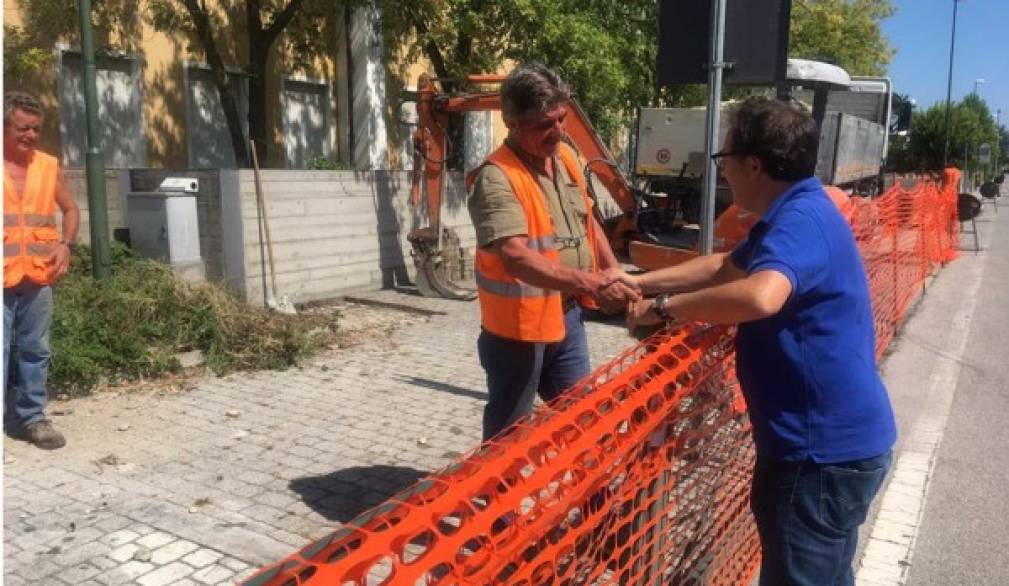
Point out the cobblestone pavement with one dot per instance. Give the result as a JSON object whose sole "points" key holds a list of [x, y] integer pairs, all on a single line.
{"points": [[206, 485]]}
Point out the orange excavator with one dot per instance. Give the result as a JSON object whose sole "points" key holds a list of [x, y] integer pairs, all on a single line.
{"points": [[649, 232]]}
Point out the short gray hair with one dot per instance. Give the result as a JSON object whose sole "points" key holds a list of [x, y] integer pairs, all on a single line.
{"points": [[20, 101], [533, 87]]}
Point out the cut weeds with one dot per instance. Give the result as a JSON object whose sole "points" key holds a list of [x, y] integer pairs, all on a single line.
{"points": [[134, 323]]}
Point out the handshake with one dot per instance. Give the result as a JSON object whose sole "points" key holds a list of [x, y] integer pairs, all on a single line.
{"points": [[619, 291], [614, 290]]}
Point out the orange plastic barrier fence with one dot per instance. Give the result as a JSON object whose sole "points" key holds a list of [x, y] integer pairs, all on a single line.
{"points": [[638, 475]]}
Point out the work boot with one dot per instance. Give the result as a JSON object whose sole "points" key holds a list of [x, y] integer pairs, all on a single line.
{"points": [[43, 435]]}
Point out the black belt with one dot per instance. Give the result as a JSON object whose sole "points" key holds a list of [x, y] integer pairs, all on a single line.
{"points": [[569, 303]]}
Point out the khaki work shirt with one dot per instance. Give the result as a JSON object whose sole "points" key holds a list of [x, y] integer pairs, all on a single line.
{"points": [[497, 213]]}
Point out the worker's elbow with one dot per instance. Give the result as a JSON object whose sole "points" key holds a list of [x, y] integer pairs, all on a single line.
{"points": [[513, 260], [765, 304]]}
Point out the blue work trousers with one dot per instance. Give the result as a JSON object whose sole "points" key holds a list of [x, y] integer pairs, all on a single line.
{"points": [[28, 313], [517, 371], [808, 516]]}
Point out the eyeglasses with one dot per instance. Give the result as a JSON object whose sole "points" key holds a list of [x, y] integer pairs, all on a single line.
{"points": [[717, 158]]}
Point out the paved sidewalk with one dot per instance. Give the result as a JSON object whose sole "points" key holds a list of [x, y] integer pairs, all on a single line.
{"points": [[206, 485]]}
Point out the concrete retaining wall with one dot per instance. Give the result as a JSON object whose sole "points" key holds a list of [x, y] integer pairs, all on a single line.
{"points": [[333, 232]]}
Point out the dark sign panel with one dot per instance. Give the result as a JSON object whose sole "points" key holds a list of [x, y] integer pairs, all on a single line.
{"points": [[756, 41]]}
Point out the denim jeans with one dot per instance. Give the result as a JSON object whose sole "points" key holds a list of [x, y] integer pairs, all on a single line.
{"points": [[28, 313], [808, 516], [517, 371]]}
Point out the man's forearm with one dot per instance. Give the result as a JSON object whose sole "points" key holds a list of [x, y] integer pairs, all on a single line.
{"points": [[534, 269], [696, 273], [729, 303], [71, 224]]}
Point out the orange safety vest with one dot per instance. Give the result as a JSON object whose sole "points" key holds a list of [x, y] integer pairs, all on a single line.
{"points": [[30, 232], [509, 307]]}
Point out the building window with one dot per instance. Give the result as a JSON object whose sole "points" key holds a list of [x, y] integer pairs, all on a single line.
{"points": [[208, 139], [120, 110], [306, 110]]}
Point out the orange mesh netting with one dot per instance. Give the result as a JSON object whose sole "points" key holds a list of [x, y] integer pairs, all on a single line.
{"points": [[638, 475]]}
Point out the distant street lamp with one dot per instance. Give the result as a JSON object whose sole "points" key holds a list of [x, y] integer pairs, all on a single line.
{"points": [[949, 87]]}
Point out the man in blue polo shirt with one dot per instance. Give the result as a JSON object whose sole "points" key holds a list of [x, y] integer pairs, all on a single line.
{"points": [[822, 421]]}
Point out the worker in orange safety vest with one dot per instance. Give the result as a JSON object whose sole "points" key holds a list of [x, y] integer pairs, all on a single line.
{"points": [[35, 256], [541, 255]]}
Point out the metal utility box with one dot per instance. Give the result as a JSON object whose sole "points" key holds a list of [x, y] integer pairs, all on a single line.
{"points": [[164, 225], [669, 138]]}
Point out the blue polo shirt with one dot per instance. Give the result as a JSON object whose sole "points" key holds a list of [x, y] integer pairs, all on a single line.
{"points": [[809, 372]]}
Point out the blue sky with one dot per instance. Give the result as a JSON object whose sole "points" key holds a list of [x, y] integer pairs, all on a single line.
{"points": [[920, 31]]}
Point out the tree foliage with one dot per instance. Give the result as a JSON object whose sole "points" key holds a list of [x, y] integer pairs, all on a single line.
{"points": [[844, 32], [971, 125], [606, 50]]}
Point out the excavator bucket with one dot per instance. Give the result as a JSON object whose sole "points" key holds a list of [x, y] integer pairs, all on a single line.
{"points": [[439, 262]]}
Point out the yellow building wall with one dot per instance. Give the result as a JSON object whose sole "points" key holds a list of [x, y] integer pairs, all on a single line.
{"points": [[164, 58]]}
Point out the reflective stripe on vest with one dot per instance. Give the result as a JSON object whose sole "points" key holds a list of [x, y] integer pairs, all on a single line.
{"points": [[40, 249], [543, 243], [40, 220], [509, 288], [12, 249], [11, 220]]}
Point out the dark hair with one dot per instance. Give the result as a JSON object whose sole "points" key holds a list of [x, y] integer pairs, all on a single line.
{"points": [[532, 88], [20, 101], [783, 136]]}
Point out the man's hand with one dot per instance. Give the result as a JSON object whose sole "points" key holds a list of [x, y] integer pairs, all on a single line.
{"points": [[640, 313], [60, 259], [618, 275], [613, 294], [615, 297]]}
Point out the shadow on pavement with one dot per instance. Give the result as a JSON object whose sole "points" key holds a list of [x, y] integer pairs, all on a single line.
{"points": [[345, 494], [444, 387]]}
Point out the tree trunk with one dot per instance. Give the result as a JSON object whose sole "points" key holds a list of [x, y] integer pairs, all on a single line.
{"points": [[261, 40], [257, 100], [229, 103]]}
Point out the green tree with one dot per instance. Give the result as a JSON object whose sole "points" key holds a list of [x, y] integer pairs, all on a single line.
{"points": [[971, 124], [844, 32], [606, 50]]}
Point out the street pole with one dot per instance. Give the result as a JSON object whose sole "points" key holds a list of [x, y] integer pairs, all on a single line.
{"points": [[714, 118], [998, 139], [949, 89], [98, 216]]}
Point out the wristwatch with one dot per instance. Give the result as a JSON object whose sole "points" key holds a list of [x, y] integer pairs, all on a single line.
{"points": [[659, 306]]}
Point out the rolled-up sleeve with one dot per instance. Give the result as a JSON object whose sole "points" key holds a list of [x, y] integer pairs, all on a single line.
{"points": [[493, 207]]}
